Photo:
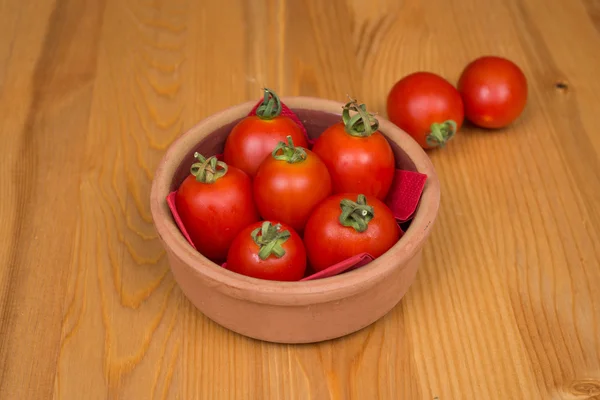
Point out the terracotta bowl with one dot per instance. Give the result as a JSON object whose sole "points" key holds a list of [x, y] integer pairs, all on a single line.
{"points": [[291, 312]]}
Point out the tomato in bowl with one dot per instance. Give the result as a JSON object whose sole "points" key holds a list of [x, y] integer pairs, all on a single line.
{"points": [[295, 311]]}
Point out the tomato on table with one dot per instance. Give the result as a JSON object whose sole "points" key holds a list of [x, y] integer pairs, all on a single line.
{"points": [[347, 224], [290, 183], [494, 91], [427, 107], [268, 250], [215, 203], [253, 138], [358, 156]]}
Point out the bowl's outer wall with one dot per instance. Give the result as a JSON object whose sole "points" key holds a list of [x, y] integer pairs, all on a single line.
{"points": [[295, 324], [281, 311]]}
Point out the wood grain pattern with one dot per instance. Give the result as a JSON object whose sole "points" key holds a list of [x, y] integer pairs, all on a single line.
{"points": [[92, 92]]}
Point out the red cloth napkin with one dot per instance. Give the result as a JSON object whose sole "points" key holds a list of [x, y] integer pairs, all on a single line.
{"points": [[178, 221], [402, 199], [405, 193]]}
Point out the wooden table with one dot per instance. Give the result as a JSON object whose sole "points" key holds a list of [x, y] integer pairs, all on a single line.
{"points": [[506, 305]]}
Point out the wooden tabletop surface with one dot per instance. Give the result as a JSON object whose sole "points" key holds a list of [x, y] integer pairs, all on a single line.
{"points": [[505, 306]]}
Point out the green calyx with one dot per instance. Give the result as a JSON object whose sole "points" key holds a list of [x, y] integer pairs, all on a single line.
{"points": [[356, 214], [208, 170], [270, 106], [441, 133], [269, 238], [288, 152], [361, 124]]}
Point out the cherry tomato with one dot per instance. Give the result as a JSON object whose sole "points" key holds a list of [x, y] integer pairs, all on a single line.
{"points": [[253, 138], [427, 107], [215, 203], [268, 250], [290, 183], [345, 225], [494, 91], [358, 156]]}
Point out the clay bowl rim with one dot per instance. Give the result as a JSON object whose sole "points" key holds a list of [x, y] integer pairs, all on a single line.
{"points": [[291, 293]]}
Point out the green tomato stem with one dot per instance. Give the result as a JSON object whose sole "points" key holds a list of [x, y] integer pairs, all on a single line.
{"points": [[361, 124], [356, 214], [269, 239], [270, 106], [288, 152], [441, 133], [208, 170]]}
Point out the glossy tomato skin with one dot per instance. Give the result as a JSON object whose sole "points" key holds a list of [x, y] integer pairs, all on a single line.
{"points": [[494, 91], [328, 242], [288, 192], [356, 164], [243, 257], [214, 213], [421, 99], [252, 139]]}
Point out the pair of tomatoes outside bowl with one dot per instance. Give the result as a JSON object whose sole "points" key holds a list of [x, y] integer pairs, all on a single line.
{"points": [[491, 93]]}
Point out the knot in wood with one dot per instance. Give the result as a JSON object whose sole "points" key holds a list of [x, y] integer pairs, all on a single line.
{"points": [[586, 387]]}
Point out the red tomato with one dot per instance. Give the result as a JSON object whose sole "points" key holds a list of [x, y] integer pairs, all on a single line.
{"points": [[494, 91], [289, 184], [358, 156], [215, 203], [340, 228], [253, 138], [427, 107], [268, 250]]}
